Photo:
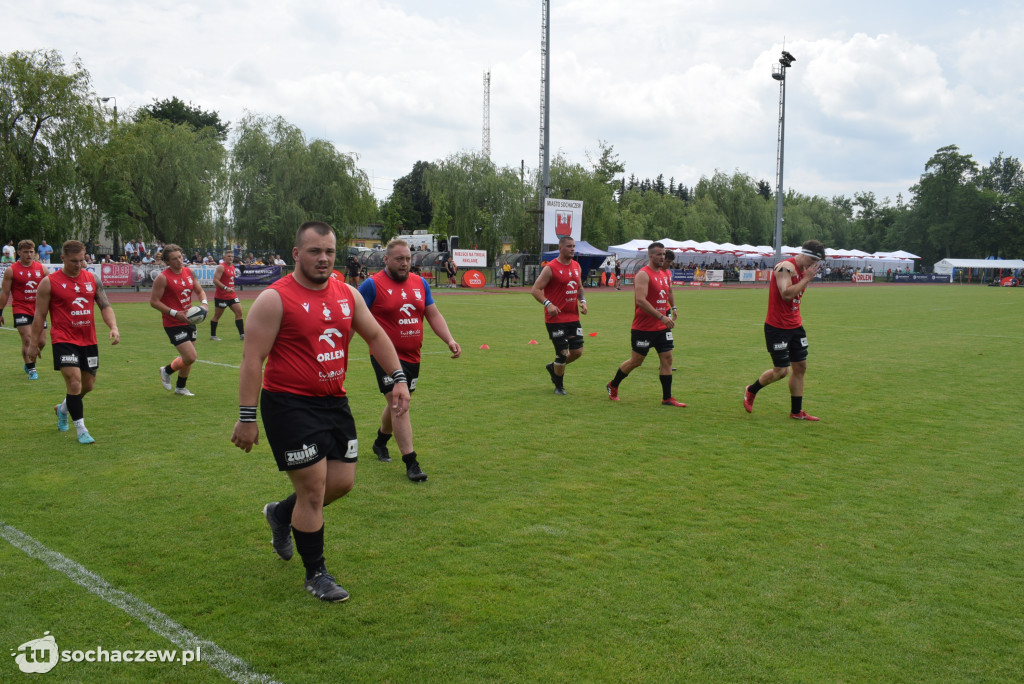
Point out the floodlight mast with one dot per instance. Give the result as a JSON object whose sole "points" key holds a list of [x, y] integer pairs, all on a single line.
{"points": [[544, 190], [779, 74]]}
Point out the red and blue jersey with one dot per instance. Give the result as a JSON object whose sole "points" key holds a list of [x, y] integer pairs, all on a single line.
{"points": [[399, 307]]}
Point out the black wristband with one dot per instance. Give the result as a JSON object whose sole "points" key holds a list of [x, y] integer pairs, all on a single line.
{"points": [[246, 414], [399, 376]]}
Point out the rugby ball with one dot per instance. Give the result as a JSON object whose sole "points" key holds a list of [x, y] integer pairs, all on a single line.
{"points": [[196, 314]]}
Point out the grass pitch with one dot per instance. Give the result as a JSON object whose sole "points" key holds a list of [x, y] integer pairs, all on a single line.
{"points": [[560, 538]]}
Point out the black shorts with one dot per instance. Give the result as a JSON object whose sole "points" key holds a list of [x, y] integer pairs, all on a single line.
{"points": [[643, 340], [564, 335], [22, 319], [225, 303], [66, 354], [785, 346], [384, 382], [179, 334], [303, 430]]}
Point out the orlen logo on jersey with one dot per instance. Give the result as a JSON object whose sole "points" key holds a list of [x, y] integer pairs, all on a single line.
{"points": [[83, 303], [408, 310], [328, 337]]}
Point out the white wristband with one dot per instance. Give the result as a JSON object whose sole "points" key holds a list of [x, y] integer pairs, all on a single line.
{"points": [[205, 302], [172, 313]]}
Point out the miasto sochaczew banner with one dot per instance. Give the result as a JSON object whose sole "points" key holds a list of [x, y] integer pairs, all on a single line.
{"points": [[562, 217]]}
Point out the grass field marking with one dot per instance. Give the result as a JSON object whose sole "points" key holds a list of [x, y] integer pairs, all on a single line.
{"points": [[232, 667], [214, 363]]}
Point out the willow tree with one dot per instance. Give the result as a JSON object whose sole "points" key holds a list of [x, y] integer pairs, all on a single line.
{"points": [[155, 178], [48, 116], [474, 199], [279, 179]]}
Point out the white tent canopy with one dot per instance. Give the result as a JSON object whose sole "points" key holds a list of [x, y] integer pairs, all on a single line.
{"points": [[631, 248], [946, 266], [703, 251]]}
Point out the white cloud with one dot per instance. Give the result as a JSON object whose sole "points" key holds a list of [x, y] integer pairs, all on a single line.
{"points": [[677, 87]]}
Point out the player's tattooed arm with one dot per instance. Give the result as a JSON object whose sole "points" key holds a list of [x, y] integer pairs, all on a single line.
{"points": [[101, 296]]}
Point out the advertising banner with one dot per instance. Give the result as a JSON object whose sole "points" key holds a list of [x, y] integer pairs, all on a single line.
{"points": [[113, 275], [748, 276], [714, 276], [682, 275], [921, 278], [470, 258], [562, 217], [863, 277], [251, 275]]}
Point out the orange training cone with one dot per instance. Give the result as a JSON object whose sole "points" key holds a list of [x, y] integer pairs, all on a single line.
{"points": [[484, 346], [532, 342]]}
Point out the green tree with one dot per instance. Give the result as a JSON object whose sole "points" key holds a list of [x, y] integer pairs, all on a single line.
{"points": [[596, 187], [279, 179], [409, 206], [48, 116], [476, 200], [744, 207], [949, 211], [177, 112], [158, 179]]}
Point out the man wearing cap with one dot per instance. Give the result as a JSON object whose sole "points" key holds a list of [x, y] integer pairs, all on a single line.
{"points": [[783, 327]]}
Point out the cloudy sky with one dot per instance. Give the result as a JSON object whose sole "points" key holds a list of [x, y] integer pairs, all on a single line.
{"points": [[677, 87]]}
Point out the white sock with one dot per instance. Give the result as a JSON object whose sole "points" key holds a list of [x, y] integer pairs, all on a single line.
{"points": [[80, 425]]}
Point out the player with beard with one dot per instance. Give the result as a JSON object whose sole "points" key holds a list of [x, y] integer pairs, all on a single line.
{"points": [[20, 282], [69, 296], [172, 297], [301, 326], [784, 332], [559, 287], [653, 320], [400, 302], [225, 297]]}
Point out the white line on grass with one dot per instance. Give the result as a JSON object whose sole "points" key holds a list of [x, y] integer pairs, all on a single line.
{"points": [[232, 667], [214, 363]]}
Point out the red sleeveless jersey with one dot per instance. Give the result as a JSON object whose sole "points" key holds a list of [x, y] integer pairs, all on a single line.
{"points": [[26, 281], [399, 308], [783, 314], [71, 308], [177, 293], [563, 290], [310, 354], [658, 287], [227, 278]]}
